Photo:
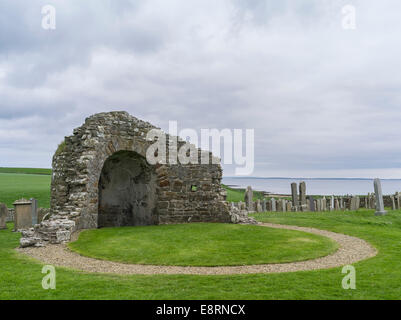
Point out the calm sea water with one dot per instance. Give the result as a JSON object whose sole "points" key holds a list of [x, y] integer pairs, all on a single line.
{"points": [[315, 186]]}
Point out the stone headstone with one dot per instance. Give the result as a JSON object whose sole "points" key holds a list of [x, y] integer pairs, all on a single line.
{"points": [[351, 204], [398, 203], [288, 206], [324, 204], [268, 206], [372, 201], [23, 214], [284, 205], [258, 206], [3, 216], [336, 204], [319, 205], [248, 198], [302, 193], [279, 205], [332, 203], [393, 206], [34, 208], [294, 194], [379, 198], [312, 204], [273, 205], [264, 205]]}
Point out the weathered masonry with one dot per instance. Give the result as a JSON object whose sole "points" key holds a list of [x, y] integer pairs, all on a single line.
{"points": [[101, 178]]}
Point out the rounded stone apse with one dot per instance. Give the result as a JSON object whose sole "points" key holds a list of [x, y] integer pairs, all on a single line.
{"points": [[127, 191]]}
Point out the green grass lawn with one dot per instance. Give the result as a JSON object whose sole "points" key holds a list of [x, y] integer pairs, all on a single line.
{"points": [[201, 244], [377, 278], [14, 186]]}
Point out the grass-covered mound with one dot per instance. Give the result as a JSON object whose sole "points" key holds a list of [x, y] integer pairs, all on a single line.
{"points": [[201, 244]]}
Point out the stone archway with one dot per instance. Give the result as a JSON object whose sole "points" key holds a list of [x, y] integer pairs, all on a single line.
{"points": [[127, 191]]}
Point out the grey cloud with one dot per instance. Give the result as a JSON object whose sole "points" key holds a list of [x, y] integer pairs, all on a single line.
{"points": [[319, 98]]}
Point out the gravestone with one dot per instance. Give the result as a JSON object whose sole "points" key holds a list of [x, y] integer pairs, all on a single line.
{"points": [[336, 204], [352, 206], [22, 215], [284, 205], [273, 205], [279, 205], [264, 206], [357, 203], [302, 193], [268, 206], [393, 207], [288, 206], [372, 203], [34, 208], [398, 201], [258, 206], [3, 216], [379, 199], [248, 198], [294, 195], [324, 204], [312, 204], [332, 203], [319, 205]]}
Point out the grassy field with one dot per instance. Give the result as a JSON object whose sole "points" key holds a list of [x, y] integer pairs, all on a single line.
{"points": [[14, 186], [201, 244], [26, 171], [377, 278]]}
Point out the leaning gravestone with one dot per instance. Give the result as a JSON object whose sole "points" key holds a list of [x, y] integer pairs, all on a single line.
{"points": [[379, 199], [3, 216]]}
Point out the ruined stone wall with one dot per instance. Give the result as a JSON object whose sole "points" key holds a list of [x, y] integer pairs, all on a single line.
{"points": [[184, 193]]}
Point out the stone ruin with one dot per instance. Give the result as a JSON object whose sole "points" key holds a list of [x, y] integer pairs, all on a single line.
{"points": [[101, 178]]}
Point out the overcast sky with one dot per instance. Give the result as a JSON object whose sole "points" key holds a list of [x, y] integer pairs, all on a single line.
{"points": [[324, 101]]}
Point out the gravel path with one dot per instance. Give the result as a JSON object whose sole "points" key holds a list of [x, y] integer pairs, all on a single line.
{"points": [[351, 250]]}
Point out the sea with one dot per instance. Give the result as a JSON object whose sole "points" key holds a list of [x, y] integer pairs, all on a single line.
{"points": [[314, 186]]}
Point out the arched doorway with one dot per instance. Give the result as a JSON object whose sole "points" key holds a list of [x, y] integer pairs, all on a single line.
{"points": [[127, 191]]}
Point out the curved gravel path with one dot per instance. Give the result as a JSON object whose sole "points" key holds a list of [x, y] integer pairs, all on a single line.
{"points": [[351, 250]]}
